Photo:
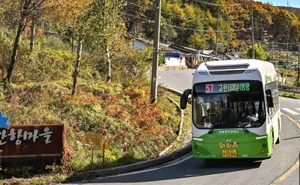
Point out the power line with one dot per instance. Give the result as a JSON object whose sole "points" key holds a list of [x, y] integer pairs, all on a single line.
{"points": [[165, 13], [147, 20], [185, 28], [214, 4]]}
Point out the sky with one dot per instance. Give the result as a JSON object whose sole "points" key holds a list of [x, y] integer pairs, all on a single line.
{"points": [[292, 3]]}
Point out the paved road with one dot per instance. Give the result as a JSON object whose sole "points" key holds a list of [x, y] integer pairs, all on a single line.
{"points": [[282, 168]]}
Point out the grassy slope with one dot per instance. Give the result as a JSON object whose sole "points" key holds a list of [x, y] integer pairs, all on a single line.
{"points": [[121, 111]]}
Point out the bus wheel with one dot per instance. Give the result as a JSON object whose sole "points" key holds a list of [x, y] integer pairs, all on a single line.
{"points": [[39, 166], [278, 140], [273, 144]]}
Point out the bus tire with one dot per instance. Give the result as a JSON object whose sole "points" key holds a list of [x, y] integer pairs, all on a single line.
{"points": [[278, 140], [273, 144]]}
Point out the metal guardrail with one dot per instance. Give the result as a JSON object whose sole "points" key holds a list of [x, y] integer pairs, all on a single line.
{"points": [[291, 89]]}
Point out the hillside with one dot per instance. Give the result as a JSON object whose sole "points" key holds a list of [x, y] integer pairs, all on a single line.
{"points": [[71, 62], [200, 24], [120, 110], [292, 9]]}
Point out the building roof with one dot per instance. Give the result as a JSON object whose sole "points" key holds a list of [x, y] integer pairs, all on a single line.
{"points": [[146, 43], [183, 48]]}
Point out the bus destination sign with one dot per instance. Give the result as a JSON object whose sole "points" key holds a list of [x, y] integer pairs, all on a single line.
{"points": [[227, 87]]}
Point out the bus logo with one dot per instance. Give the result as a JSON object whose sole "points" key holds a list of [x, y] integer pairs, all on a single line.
{"points": [[227, 144]]}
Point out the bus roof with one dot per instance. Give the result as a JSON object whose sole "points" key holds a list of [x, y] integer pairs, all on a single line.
{"points": [[243, 69]]}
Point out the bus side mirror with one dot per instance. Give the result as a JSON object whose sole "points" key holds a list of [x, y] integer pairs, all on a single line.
{"points": [[184, 98], [269, 98]]}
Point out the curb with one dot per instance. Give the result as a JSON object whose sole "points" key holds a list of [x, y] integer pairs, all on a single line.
{"points": [[140, 165]]}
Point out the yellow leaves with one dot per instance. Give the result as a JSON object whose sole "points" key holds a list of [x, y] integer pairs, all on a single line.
{"points": [[210, 35], [196, 41], [71, 9], [189, 11], [176, 10]]}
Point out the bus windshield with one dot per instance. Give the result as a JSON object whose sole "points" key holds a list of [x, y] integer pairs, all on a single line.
{"points": [[228, 104]]}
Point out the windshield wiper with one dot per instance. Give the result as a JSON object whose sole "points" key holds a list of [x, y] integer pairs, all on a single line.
{"points": [[244, 128], [212, 129]]}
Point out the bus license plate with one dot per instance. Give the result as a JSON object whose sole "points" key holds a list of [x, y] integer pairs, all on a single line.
{"points": [[229, 153]]}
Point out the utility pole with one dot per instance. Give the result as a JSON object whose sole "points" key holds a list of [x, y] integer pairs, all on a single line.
{"points": [[252, 29], [273, 51], [229, 21], [217, 34], [298, 78], [287, 43], [287, 53], [155, 51]]}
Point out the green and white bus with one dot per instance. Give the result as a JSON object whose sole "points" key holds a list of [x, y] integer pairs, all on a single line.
{"points": [[219, 97]]}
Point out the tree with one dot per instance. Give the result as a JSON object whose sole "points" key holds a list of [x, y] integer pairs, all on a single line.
{"points": [[210, 37], [75, 20], [134, 13], [77, 65], [104, 30], [259, 52], [67, 19], [98, 24], [23, 11], [197, 42]]}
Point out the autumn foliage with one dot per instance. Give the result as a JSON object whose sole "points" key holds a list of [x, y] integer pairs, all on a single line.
{"points": [[39, 40]]}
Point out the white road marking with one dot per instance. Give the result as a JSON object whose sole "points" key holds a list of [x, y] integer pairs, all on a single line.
{"points": [[290, 111], [148, 170]]}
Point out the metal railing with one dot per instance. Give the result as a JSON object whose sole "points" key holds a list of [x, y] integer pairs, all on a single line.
{"points": [[291, 89]]}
